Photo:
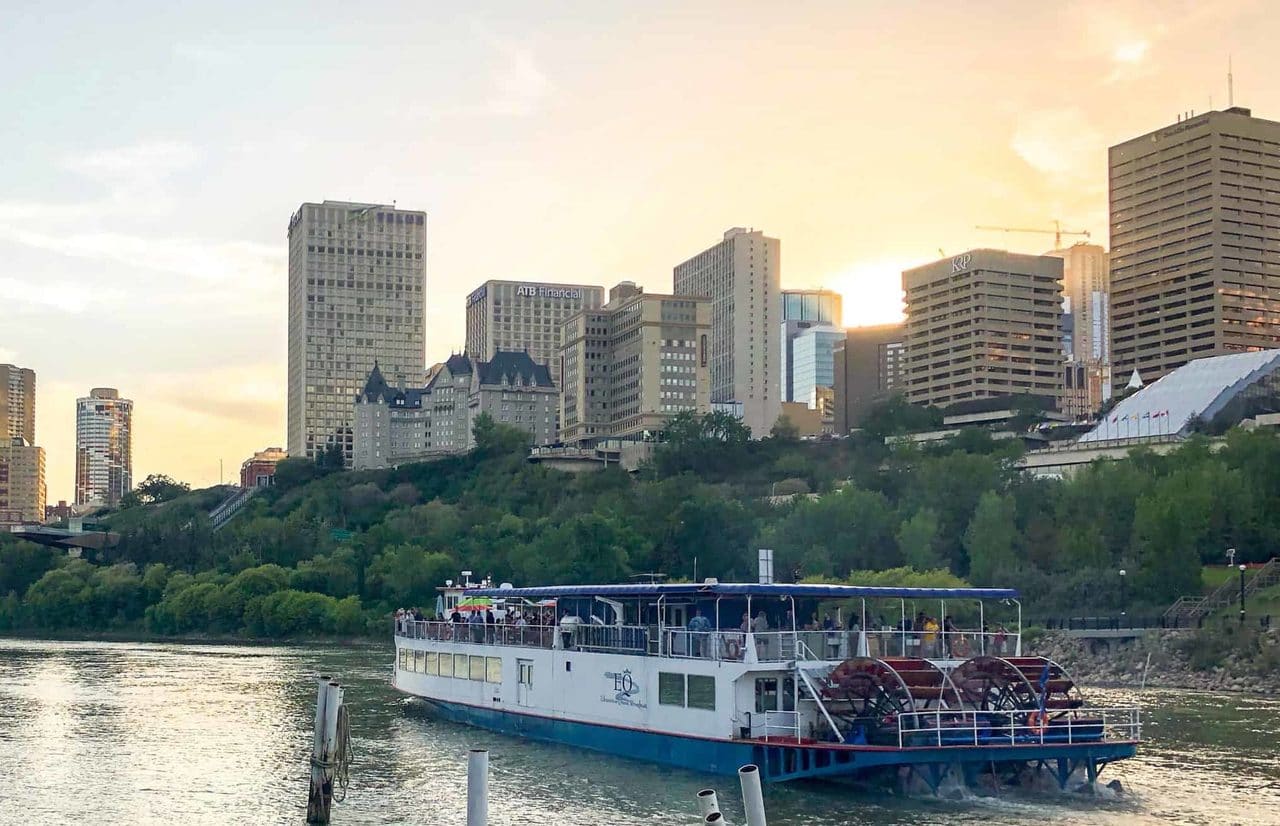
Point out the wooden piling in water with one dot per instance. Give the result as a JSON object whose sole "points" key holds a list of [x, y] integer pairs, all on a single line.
{"points": [[323, 750]]}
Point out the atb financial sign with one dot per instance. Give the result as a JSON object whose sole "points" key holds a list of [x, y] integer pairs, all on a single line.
{"points": [[533, 291]]}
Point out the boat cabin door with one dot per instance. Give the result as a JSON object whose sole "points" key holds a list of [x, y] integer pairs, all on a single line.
{"points": [[524, 681]]}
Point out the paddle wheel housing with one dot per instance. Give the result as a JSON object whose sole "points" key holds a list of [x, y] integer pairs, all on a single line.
{"points": [[866, 695]]}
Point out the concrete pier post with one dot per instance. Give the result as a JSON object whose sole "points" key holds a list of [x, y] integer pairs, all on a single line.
{"points": [[478, 788]]}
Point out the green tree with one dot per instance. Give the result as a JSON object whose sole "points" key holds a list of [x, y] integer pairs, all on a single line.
{"points": [[158, 488], [990, 541], [916, 537], [494, 438], [784, 430]]}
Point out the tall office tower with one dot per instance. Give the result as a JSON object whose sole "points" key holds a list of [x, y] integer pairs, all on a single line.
{"points": [[17, 404], [357, 285], [1086, 288], [802, 309], [1086, 283], [984, 324], [741, 276], [104, 447], [633, 364], [22, 485], [524, 315], [869, 365], [1195, 243]]}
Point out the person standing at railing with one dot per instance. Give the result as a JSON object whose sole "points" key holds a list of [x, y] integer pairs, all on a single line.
{"points": [[1002, 634], [698, 626]]}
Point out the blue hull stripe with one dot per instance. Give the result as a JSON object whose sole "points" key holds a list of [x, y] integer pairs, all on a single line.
{"points": [[776, 761]]}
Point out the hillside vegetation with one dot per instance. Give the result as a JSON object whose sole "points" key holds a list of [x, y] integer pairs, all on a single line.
{"points": [[327, 552]]}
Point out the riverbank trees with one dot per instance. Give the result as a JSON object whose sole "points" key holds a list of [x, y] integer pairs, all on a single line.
{"points": [[332, 552]]}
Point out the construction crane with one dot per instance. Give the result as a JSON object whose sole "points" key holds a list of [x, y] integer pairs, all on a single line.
{"points": [[1057, 232]]}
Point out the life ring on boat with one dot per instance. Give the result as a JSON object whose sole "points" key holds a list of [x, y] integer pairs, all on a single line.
{"points": [[960, 647], [1038, 722], [732, 650]]}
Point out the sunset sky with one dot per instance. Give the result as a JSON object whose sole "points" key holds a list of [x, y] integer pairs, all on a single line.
{"points": [[153, 153]]}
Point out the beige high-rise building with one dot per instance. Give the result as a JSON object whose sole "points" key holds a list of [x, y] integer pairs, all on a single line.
{"points": [[357, 292], [870, 364], [632, 364], [1086, 284], [525, 315], [742, 277], [983, 324], [17, 404], [22, 485], [1195, 243], [104, 447]]}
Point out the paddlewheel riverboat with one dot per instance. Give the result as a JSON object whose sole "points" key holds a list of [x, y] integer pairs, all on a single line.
{"points": [[902, 683]]}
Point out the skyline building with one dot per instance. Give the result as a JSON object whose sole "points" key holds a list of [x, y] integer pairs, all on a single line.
{"points": [[983, 324], [813, 363], [1195, 243], [357, 292], [1086, 288], [23, 494], [869, 365], [525, 316], [802, 309], [742, 276], [104, 447], [632, 364], [17, 404]]}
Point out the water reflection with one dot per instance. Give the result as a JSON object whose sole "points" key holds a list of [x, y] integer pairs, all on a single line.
{"points": [[138, 733]]}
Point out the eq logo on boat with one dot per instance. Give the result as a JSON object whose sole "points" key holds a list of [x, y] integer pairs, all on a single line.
{"points": [[622, 690]]}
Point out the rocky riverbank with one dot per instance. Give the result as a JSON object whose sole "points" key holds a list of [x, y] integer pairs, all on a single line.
{"points": [[1204, 660]]}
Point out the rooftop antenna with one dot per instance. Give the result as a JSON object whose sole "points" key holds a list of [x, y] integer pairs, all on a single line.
{"points": [[1231, 91]]}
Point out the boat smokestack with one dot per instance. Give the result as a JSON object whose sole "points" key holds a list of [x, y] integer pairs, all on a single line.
{"points": [[766, 566]]}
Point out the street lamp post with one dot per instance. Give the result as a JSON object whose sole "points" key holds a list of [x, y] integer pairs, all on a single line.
{"points": [[1242, 567], [1122, 592]]}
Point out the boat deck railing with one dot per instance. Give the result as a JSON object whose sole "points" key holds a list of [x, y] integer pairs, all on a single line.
{"points": [[721, 646], [943, 728]]}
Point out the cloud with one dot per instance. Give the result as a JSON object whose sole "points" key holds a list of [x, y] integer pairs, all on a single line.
{"points": [[8, 356], [520, 86], [1059, 143], [66, 297], [153, 160], [204, 54], [1133, 52]]}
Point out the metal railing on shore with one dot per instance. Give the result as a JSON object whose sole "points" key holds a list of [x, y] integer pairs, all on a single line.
{"points": [[943, 728]]}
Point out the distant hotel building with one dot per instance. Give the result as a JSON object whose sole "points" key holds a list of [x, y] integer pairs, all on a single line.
{"points": [[802, 309], [632, 364], [104, 447], [525, 315], [741, 276], [397, 425], [22, 483], [17, 404], [1195, 228], [869, 365], [983, 324], [357, 283]]}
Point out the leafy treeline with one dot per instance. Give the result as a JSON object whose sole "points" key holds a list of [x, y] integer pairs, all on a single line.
{"points": [[332, 552]]}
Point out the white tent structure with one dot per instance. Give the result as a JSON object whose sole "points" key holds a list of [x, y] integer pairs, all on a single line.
{"points": [[1198, 389]]}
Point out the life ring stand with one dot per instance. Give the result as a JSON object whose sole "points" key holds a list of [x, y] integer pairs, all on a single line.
{"points": [[1038, 722]]}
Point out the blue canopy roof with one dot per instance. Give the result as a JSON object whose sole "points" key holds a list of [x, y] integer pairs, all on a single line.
{"points": [[725, 589]]}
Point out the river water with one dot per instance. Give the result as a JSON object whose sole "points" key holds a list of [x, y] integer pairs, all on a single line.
{"points": [[137, 733]]}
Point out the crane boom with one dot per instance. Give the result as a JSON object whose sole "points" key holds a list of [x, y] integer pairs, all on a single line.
{"points": [[1057, 232]]}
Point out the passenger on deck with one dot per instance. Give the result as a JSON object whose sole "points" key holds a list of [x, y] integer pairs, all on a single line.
{"points": [[699, 626]]}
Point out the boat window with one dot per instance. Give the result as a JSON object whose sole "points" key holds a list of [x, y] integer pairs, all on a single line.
{"points": [[670, 688], [477, 669], [526, 672], [766, 694], [493, 669], [432, 667], [418, 660], [404, 659], [460, 667], [702, 692], [446, 665]]}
